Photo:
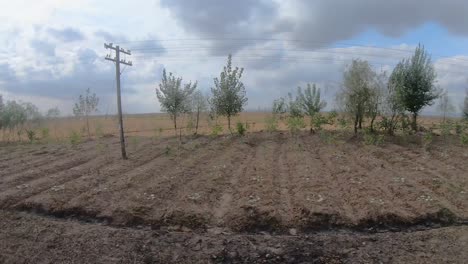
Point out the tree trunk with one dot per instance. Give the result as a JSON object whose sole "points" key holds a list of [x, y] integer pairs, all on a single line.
{"points": [[414, 124], [229, 123], [175, 124], [87, 126], [372, 124], [198, 117], [356, 120], [360, 122]]}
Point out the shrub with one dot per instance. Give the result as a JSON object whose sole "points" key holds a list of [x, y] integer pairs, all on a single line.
{"points": [[241, 129], [464, 138], [318, 120], [216, 130], [295, 124], [31, 134], [373, 139], [271, 124], [458, 128]]}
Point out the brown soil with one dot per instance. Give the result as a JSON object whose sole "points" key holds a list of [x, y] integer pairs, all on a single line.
{"points": [[265, 198]]}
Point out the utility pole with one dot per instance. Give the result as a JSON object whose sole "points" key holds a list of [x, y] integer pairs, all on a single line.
{"points": [[117, 62]]}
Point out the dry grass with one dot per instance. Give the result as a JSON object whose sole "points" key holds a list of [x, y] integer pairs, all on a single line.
{"points": [[160, 125]]}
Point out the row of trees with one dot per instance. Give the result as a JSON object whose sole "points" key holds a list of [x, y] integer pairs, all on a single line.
{"points": [[228, 96], [368, 94]]}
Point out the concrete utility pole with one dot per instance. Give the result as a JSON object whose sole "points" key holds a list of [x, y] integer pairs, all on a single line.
{"points": [[118, 61]]}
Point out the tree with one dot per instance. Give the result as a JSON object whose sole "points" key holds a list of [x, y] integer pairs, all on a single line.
{"points": [[2, 106], [229, 95], [416, 88], [173, 98], [376, 97], [86, 105], [310, 100], [465, 106], [199, 104], [392, 107], [354, 97], [445, 105], [53, 113]]}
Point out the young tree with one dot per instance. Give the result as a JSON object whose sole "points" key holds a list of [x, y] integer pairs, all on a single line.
{"points": [[445, 105], [416, 88], [376, 98], [229, 96], [465, 106], [53, 113], [310, 100], [174, 98], [357, 90], [199, 104], [392, 108], [86, 105]]}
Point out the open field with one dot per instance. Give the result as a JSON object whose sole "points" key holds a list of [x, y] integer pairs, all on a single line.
{"points": [[267, 197], [160, 125]]}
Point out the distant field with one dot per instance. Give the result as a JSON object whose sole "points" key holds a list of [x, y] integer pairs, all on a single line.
{"points": [[160, 124]]}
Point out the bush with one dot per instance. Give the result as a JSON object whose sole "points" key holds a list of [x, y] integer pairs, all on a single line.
{"points": [[464, 138], [295, 124], [318, 120], [271, 124], [241, 129], [45, 134], [31, 135]]}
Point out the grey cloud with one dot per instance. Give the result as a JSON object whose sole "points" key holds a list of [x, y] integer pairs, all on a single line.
{"points": [[215, 19], [67, 34], [317, 23]]}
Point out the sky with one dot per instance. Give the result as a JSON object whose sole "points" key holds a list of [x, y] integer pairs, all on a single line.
{"points": [[51, 51]]}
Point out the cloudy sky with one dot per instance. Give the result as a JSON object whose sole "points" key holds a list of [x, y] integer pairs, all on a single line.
{"points": [[52, 50]]}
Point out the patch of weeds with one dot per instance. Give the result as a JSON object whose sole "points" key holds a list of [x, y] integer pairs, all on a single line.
{"points": [[295, 124], [464, 139], [317, 121], [458, 128], [445, 128], [240, 128], [31, 134], [271, 124], [167, 151], [427, 140], [327, 137], [74, 138], [373, 139], [216, 130]]}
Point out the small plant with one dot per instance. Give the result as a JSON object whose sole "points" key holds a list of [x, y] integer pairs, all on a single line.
{"points": [[167, 151], [295, 124], [343, 123], [458, 128], [216, 130], [427, 140], [445, 128], [318, 121], [74, 138], [271, 124], [332, 117], [31, 134], [241, 128]]}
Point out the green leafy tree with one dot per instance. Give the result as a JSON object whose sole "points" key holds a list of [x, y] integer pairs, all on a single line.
{"points": [[416, 88], [392, 107], [174, 98], [357, 90], [86, 105], [228, 94], [310, 100]]}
